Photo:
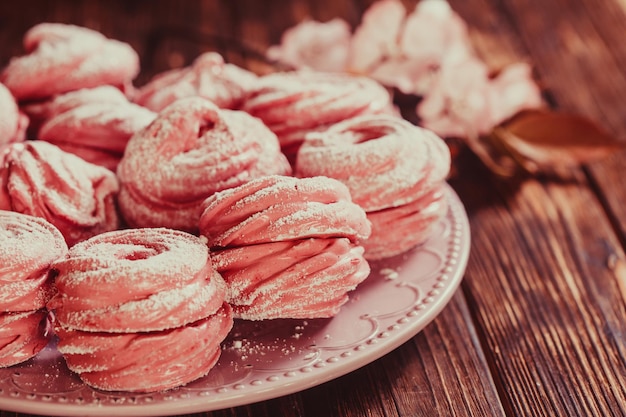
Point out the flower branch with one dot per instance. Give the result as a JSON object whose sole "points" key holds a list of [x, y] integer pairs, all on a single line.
{"points": [[427, 52]]}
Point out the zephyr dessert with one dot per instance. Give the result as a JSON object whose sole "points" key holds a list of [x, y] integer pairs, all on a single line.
{"points": [[394, 170], [224, 84], [192, 150], [140, 309], [77, 197], [287, 247], [93, 123], [293, 104], [145, 220], [61, 58], [28, 246]]}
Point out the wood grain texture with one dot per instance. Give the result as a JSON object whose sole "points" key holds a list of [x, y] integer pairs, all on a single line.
{"points": [[556, 332], [557, 335]]}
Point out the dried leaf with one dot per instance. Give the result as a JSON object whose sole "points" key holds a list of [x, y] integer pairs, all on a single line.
{"points": [[544, 141], [493, 155]]}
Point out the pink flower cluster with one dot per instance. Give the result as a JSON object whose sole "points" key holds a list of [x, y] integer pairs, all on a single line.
{"points": [[426, 52]]}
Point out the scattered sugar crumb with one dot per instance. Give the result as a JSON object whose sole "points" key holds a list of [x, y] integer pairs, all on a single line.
{"points": [[389, 273]]}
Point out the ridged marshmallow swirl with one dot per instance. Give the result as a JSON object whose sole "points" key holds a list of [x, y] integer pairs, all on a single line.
{"points": [[293, 104], [305, 278], [278, 208], [95, 127], [287, 247], [28, 246], [385, 161], [191, 151], [62, 58], [147, 361], [22, 336], [77, 197], [40, 111], [136, 280], [209, 76], [398, 229]]}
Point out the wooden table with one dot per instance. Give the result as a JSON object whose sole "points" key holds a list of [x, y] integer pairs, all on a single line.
{"points": [[538, 326]]}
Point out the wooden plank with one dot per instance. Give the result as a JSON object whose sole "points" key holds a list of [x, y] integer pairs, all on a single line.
{"points": [[602, 30], [548, 307], [579, 50], [539, 284], [454, 370]]}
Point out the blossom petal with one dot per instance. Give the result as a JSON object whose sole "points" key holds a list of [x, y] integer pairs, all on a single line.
{"points": [[457, 103], [513, 90], [319, 46], [376, 38]]}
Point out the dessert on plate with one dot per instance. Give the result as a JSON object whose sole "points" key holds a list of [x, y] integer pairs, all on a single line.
{"points": [[395, 170], [209, 77], [295, 103], [286, 247], [206, 149], [192, 150], [61, 58], [140, 309], [95, 124], [77, 197], [28, 246]]}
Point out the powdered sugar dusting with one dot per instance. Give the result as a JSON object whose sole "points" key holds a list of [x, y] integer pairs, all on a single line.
{"points": [[192, 150], [385, 161], [146, 361], [136, 280], [276, 208], [98, 125], [287, 281], [63, 58], [28, 245], [27, 240], [72, 194], [295, 103], [133, 257], [210, 77]]}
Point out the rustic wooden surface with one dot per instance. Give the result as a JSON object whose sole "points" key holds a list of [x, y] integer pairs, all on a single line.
{"points": [[538, 326]]}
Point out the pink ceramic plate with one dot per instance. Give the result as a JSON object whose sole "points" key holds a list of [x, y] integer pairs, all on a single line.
{"points": [[263, 360]]}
